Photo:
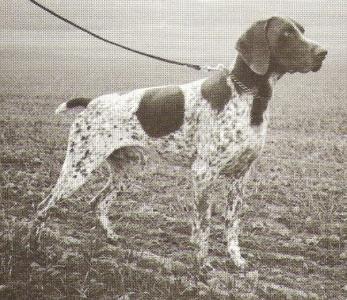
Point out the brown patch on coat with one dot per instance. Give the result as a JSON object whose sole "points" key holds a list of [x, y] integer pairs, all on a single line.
{"points": [[216, 90], [161, 111]]}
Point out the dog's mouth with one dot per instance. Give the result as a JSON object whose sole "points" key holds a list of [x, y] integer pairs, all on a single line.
{"points": [[314, 67], [318, 62], [317, 67]]}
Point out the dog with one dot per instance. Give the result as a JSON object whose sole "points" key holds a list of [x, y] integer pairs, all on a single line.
{"points": [[220, 121]]}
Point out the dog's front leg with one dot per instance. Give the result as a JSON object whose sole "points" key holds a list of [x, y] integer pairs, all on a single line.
{"points": [[232, 220], [201, 209], [201, 223]]}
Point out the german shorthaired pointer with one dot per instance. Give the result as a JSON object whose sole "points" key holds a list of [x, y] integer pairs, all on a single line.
{"points": [[220, 120]]}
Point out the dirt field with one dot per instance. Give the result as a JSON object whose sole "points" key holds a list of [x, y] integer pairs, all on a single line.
{"points": [[293, 233]]}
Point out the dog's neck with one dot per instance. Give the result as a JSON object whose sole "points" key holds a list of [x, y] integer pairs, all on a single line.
{"points": [[262, 85]]}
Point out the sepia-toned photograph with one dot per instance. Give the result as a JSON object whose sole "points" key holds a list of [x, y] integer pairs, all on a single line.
{"points": [[173, 149]]}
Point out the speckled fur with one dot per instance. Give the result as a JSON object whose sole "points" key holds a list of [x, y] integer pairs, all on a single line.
{"points": [[221, 142]]}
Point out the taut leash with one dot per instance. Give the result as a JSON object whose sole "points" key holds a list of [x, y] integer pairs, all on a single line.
{"points": [[207, 68], [170, 61]]}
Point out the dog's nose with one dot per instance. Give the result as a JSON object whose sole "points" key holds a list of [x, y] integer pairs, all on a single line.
{"points": [[321, 53]]}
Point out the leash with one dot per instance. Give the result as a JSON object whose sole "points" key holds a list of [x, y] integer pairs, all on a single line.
{"points": [[206, 68], [169, 61]]}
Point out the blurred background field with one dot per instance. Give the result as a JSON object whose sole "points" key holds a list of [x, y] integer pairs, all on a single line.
{"points": [[293, 221]]}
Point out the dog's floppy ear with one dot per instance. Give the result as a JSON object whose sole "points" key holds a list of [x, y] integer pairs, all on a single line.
{"points": [[254, 48]]}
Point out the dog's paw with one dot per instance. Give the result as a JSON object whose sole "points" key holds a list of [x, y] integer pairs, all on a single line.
{"points": [[207, 265], [34, 233], [194, 240], [239, 262], [113, 239]]}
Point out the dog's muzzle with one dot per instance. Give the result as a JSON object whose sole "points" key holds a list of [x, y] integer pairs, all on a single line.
{"points": [[319, 56]]}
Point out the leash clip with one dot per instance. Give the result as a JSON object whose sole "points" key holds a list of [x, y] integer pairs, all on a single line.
{"points": [[219, 67]]}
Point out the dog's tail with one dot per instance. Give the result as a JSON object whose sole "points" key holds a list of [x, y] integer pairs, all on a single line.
{"points": [[76, 102]]}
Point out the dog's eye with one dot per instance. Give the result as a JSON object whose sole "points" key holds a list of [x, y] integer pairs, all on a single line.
{"points": [[287, 34]]}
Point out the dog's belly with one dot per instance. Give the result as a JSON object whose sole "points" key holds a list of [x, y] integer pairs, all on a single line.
{"points": [[175, 145], [234, 161]]}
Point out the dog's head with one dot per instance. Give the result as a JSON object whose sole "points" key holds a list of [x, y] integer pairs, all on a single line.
{"points": [[279, 42]]}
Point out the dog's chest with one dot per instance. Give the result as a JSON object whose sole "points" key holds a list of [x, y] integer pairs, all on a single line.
{"points": [[227, 140]]}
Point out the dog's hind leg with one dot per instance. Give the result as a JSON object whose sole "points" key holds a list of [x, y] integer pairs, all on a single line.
{"points": [[102, 212], [91, 141], [120, 164], [107, 189], [102, 201], [68, 182], [37, 222], [64, 187]]}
